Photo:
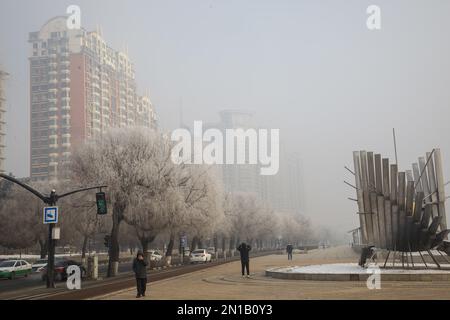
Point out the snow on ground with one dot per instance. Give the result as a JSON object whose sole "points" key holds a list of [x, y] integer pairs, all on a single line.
{"points": [[33, 256], [352, 268]]}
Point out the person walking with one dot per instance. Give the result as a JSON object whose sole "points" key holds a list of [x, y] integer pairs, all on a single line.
{"points": [[140, 271], [289, 250], [244, 250]]}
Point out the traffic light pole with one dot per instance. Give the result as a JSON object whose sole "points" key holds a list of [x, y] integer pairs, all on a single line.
{"points": [[50, 201]]}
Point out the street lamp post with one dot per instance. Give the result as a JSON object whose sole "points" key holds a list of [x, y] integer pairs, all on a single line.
{"points": [[51, 200]]}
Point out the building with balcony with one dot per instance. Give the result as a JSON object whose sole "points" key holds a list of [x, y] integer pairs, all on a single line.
{"points": [[3, 75], [80, 87]]}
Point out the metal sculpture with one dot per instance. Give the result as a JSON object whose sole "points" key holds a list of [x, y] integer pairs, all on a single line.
{"points": [[401, 211]]}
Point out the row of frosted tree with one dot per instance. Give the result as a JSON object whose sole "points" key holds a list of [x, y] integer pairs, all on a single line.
{"points": [[149, 198]]}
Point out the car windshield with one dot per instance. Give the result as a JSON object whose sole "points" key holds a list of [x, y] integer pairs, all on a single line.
{"points": [[198, 251], [6, 264]]}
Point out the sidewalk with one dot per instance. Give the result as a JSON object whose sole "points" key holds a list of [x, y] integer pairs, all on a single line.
{"points": [[225, 282]]}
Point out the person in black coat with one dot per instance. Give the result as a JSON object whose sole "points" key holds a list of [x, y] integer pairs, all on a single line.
{"points": [[140, 271], [244, 250], [289, 250]]}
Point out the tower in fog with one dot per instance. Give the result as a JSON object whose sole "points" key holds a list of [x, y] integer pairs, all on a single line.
{"points": [[80, 87]]}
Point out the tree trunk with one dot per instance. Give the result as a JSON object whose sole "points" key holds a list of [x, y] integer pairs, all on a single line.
{"points": [[144, 244], [43, 248], [223, 244], [83, 248], [231, 244], [114, 249], [194, 243], [170, 249]]}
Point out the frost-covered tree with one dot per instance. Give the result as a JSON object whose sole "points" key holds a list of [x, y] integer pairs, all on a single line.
{"points": [[119, 159]]}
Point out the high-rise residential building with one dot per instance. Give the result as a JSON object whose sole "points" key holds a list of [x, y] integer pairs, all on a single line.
{"points": [[283, 191], [80, 87], [3, 75]]}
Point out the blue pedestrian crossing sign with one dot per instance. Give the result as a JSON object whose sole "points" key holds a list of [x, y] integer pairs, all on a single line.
{"points": [[50, 215]]}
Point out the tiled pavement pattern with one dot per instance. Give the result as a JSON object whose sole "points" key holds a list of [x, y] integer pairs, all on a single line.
{"points": [[225, 282]]}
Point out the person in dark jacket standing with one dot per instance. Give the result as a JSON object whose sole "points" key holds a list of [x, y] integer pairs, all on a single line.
{"points": [[140, 271], [244, 250], [289, 250]]}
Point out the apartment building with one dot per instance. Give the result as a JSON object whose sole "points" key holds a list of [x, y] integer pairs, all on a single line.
{"points": [[80, 87]]}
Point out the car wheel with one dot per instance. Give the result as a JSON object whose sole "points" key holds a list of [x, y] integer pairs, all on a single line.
{"points": [[12, 276]]}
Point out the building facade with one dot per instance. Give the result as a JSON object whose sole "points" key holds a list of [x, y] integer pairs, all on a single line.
{"points": [[3, 75], [79, 87], [283, 191]]}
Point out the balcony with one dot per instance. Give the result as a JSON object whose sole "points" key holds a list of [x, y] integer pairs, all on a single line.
{"points": [[65, 80], [66, 145]]}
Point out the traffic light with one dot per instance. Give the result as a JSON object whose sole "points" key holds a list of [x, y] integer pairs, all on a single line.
{"points": [[101, 203], [107, 240]]}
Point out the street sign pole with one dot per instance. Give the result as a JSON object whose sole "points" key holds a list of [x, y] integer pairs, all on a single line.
{"points": [[51, 248], [51, 201]]}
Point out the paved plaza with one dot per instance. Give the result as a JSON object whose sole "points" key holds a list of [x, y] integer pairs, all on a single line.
{"points": [[225, 282]]}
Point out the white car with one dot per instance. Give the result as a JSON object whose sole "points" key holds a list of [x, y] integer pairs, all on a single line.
{"points": [[154, 255], [200, 255], [14, 268], [39, 265]]}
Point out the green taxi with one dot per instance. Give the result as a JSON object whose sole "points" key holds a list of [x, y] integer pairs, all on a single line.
{"points": [[14, 268]]}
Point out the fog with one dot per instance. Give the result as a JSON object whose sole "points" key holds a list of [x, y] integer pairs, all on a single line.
{"points": [[309, 68]]}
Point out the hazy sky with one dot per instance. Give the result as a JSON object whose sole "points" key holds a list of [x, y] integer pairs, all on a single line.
{"points": [[310, 68]]}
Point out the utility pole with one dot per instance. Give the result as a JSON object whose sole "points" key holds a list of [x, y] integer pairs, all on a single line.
{"points": [[51, 200]]}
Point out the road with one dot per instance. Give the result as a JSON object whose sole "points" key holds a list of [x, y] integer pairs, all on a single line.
{"points": [[34, 281]]}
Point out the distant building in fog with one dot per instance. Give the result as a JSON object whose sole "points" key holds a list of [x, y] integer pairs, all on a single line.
{"points": [[3, 75], [80, 87], [282, 191]]}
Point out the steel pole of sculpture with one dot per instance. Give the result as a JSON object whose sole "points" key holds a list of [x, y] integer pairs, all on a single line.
{"points": [[401, 211]]}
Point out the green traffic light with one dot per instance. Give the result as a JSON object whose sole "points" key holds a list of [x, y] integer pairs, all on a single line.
{"points": [[101, 203]]}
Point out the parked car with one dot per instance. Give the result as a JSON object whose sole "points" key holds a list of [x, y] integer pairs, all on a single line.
{"points": [[211, 250], [14, 268], [60, 270], [41, 263], [200, 255], [38, 265], [187, 251], [154, 255]]}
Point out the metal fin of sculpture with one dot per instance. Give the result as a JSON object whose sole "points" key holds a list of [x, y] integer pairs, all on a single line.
{"points": [[400, 210]]}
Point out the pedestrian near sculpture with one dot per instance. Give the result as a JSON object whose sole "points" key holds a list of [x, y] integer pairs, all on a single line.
{"points": [[244, 251], [289, 249]]}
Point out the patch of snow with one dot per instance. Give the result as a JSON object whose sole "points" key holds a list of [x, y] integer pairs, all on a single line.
{"points": [[352, 268]]}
